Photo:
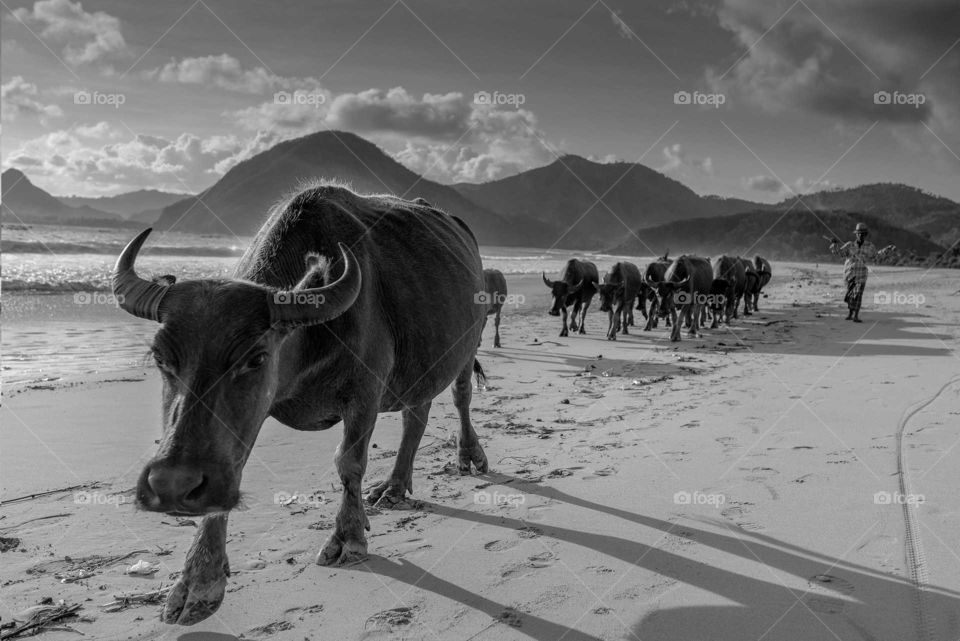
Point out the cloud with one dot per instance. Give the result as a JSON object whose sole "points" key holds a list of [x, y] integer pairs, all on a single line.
{"points": [[448, 137], [86, 37], [763, 183], [19, 98], [226, 72], [677, 159], [622, 27], [799, 187], [101, 158], [830, 58]]}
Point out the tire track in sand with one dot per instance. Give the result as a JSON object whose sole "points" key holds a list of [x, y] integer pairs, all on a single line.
{"points": [[913, 547]]}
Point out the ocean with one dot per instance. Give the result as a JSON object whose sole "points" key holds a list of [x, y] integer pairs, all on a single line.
{"points": [[59, 320]]}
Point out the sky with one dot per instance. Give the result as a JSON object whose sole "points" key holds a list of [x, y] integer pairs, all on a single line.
{"points": [[748, 99]]}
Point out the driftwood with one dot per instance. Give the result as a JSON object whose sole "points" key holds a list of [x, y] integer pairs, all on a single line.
{"points": [[40, 618], [72, 488]]}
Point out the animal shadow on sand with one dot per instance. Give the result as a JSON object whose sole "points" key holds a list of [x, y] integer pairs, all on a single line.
{"points": [[843, 600]]}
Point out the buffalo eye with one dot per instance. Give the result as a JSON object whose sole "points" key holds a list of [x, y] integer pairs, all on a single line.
{"points": [[256, 361]]}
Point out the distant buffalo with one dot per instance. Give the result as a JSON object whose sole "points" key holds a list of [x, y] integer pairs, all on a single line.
{"points": [[618, 292], [495, 292], [730, 270], [682, 292], [765, 273], [751, 288], [654, 272], [577, 286]]}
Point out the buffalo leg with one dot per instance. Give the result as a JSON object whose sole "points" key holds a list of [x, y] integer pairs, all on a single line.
{"points": [[652, 317], [563, 312], [677, 322], [623, 313], [496, 324], [483, 326], [583, 317], [198, 592], [574, 313], [695, 309], [393, 491], [348, 544], [468, 445], [612, 325]]}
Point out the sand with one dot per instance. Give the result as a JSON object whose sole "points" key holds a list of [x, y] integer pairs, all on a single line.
{"points": [[720, 488]]}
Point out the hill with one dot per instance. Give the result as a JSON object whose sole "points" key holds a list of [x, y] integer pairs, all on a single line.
{"points": [[239, 202], [933, 217], [25, 202], [129, 204], [797, 235], [563, 198]]}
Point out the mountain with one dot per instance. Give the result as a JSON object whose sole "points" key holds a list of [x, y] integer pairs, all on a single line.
{"points": [[143, 203], [562, 198], [931, 216], [796, 235], [25, 202], [239, 202]]}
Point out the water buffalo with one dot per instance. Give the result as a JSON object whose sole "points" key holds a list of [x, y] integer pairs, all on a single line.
{"points": [[495, 292], [577, 285], [686, 285], [322, 322], [619, 290], [751, 289], [730, 270], [655, 272], [765, 273]]}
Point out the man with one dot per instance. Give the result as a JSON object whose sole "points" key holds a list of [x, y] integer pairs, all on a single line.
{"points": [[857, 253]]}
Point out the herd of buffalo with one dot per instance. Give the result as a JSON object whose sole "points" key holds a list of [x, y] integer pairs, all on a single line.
{"points": [[688, 288]]}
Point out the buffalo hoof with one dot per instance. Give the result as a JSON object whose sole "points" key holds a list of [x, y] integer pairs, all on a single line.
{"points": [[582, 330], [497, 344], [564, 333], [336, 551], [611, 337], [473, 455], [391, 495], [196, 596]]}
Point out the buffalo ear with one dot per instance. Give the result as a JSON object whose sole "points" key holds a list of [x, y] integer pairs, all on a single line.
{"points": [[166, 280]]}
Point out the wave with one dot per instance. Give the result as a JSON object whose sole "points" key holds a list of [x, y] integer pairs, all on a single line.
{"points": [[55, 247]]}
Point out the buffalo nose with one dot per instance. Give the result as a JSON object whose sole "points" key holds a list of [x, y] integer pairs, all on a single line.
{"points": [[553, 312], [174, 488]]}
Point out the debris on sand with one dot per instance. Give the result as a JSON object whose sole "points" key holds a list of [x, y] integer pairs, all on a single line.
{"points": [[8, 543], [123, 601], [38, 618], [68, 569], [143, 568]]}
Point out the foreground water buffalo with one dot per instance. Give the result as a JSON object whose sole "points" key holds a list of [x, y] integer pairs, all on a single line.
{"points": [[322, 322], [683, 291], [654, 272], [577, 285], [751, 288], [618, 292], [495, 292], [730, 270], [765, 273]]}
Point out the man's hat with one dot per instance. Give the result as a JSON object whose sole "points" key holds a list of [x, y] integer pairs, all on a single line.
{"points": [[861, 227]]}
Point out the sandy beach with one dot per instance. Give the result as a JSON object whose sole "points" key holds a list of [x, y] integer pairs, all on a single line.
{"points": [[791, 476]]}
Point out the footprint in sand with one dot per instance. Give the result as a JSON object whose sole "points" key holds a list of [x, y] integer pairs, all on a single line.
{"points": [[499, 546], [831, 582], [727, 443], [736, 510], [535, 562]]}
